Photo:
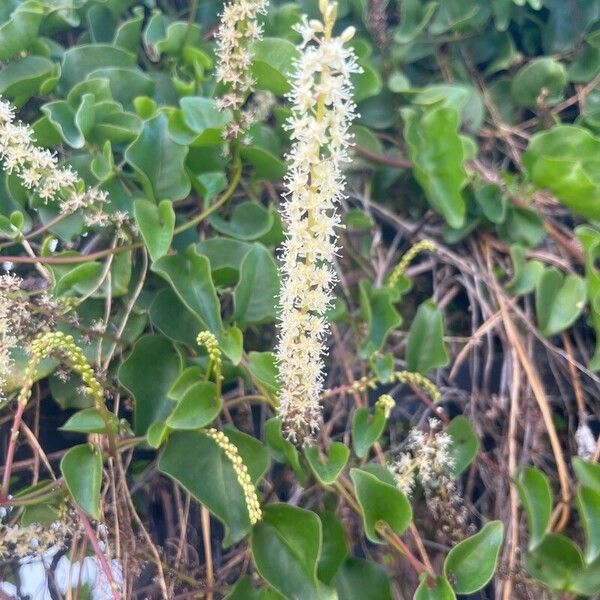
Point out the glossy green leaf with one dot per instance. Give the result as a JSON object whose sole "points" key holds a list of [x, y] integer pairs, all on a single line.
{"points": [[559, 301], [536, 497], [334, 549], [436, 589], [540, 78], [366, 429], [285, 549], [380, 502], [159, 161], [210, 477], [273, 61], [81, 467], [283, 450], [22, 78], [156, 225], [377, 308], [464, 443], [197, 407], [359, 579], [262, 365], [555, 562], [90, 420], [425, 348], [588, 473], [204, 120], [79, 61], [565, 160], [472, 562], [590, 240], [327, 469], [148, 373], [20, 29], [437, 154], [255, 296], [588, 504], [249, 221], [171, 317], [526, 274], [190, 279]]}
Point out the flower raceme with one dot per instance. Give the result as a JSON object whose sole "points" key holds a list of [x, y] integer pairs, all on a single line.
{"points": [[322, 112], [239, 28]]}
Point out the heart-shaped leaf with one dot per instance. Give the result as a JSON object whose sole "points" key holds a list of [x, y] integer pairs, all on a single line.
{"points": [[536, 497], [366, 429], [198, 406], [380, 501], [156, 225], [81, 467], [472, 562], [328, 470]]}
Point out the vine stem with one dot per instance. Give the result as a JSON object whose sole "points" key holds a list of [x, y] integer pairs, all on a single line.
{"points": [[235, 179], [91, 534], [10, 453]]}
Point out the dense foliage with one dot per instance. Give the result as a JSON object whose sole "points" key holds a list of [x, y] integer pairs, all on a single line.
{"points": [[453, 449]]}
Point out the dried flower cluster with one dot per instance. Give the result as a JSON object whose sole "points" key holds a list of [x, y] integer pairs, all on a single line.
{"points": [[241, 471], [322, 111], [428, 461], [238, 30], [18, 542]]}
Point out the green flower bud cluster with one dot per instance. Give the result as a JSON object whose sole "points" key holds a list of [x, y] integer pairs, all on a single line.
{"points": [[407, 258], [47, 344], [241, 471]]}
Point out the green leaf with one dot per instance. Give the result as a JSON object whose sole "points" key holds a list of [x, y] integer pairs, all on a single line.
{"points": [[19, 31], [272, 64], [328, 469], [334, 549], [425, 348], [156, 225], [171, 317], [379, 501], [559, 301], [588, 505], [283, 450], [204, 120], [555, 562], [437, 153], [61, 114], [255, 296], [249, 221], [464, 445], [492, 202], [232, 344], [89, 420], [157, 434], [211, 479], [590, 240], [262, 365], [438, 589], [526, 274], [197, 407], [81, 467], [22, 78], [147, 374], [377, 309], [472, 562], [225, 258], [285, 548], [540, 76], [366, 429], [588, 473], [536, 497], [586, 581], [190, 279], [566, 161], [159, 161], [360, 579], [79, 61]]}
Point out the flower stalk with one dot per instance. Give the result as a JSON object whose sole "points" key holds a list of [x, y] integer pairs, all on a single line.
{"points": [[322, 112]]}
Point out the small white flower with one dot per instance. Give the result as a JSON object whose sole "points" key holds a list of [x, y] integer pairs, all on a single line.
{"points": [[322, 111]]}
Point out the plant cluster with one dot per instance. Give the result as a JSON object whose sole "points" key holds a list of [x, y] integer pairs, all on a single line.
{"points": [[300, 300]]}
